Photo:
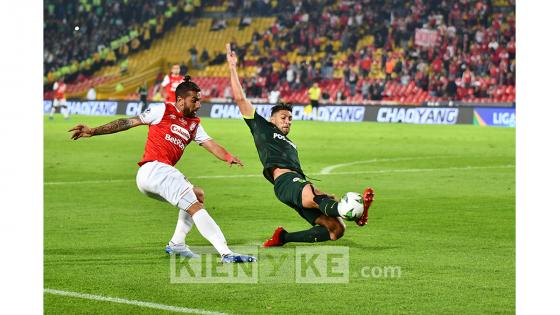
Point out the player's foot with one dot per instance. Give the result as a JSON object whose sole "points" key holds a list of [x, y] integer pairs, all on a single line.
{"points": [[275, 240], [181, 250], [368, 196], [238, 258]]}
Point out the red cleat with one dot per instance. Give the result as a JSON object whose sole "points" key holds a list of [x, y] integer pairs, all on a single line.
{"points": [[275, 240], [368, 196]]}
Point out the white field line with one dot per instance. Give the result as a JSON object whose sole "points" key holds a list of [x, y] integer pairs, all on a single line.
{"points": [[328, 169], [143, 304], [390, 171]]}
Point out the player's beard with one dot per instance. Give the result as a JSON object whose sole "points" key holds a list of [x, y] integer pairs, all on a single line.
{"points": [[190, 113]]}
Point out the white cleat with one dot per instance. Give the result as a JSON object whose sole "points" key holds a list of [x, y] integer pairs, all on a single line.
{"points": [[181, 250]]}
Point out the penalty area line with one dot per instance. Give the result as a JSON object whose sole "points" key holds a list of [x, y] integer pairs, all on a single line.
{"points": [[390, 171], [143, 304]]}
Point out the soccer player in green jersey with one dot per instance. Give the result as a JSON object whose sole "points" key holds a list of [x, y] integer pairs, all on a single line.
{"points": [[279, 157]]}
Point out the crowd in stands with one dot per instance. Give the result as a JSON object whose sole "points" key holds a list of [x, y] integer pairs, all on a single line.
{"points": [[474, 52], [75, 31], [471, 53]]}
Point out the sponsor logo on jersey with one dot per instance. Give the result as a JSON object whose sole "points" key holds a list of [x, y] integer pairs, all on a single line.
{"points": [[181, 132], [282, 137], [175, 141], [172, 116]]}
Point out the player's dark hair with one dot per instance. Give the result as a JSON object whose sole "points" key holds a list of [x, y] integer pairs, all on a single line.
{"points": [[184, 87], [281, 106]]}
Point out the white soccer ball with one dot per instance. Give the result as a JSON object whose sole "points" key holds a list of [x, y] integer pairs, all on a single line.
{"points": [[351, 206]]}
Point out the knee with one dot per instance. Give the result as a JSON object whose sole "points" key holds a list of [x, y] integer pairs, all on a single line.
{"points": [[337, 231], [199, 194], [194, 208]]}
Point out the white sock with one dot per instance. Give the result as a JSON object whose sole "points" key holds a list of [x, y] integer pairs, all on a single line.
{"points": [[184, 225], [65, 112], [211, 231], [53, 109]]}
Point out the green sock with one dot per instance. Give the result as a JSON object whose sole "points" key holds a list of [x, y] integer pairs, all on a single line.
{"points": [[314, 234], [327, 205]]}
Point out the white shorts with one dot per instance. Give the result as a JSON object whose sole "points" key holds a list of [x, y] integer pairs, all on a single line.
{"points": [[59, 103], [165, 183]]}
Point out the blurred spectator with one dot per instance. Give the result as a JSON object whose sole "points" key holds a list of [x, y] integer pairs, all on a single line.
{"points": [[352, 81], [340, 96], [218, 24], [219, 58], [244, 21], [314, 94], [91, 94], [365, 89], [204, 57], [227, 93], [274, 96], [143, 93], [194, 57]]}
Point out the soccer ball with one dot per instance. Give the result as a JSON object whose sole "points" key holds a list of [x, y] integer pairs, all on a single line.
{"points": [[351, 206]]}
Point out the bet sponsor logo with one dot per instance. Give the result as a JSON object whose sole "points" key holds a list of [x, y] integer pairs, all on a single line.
{"points": [[175, 141]]}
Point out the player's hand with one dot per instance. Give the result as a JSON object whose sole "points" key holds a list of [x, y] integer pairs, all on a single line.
{"points": [[231, 56], [230, 159], [81, 131]]}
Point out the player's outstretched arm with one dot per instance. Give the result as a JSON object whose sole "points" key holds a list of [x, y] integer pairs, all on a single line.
{"points": [[221, 153], [245, 107], [83, 131]]}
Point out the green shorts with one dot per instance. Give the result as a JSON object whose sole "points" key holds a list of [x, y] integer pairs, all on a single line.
{"points": [[288, 188]]}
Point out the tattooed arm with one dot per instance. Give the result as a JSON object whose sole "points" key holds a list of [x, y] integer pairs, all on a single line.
{"points": [[115, 126]]}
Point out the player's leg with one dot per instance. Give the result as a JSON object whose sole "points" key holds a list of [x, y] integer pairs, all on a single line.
{"points": [[288, 189], [53, 108], [326, 229], [185, 221], [312, 197], [64, 109], [151, 173], [335, 226], [210, 230], [167, 182]]}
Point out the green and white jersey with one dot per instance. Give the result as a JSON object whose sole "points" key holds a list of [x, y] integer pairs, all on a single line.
{"points": [[274, 148]]}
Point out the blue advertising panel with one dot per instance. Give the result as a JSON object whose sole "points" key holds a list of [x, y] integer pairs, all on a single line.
{"points": [[501, 117]]}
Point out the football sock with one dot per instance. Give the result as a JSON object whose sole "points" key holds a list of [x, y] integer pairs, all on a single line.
{"points": [[327, 205], [184, 225], [65, 111], [211, 231], [53, 109], [314, 234]]}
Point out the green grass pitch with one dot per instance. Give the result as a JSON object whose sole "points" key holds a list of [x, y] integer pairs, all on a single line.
{"points": [[444, 213]]}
